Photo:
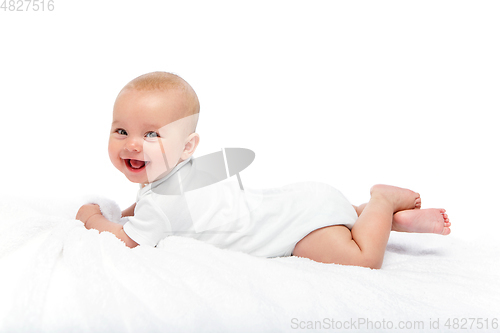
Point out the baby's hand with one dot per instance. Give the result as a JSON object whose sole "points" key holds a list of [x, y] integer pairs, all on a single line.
{"points": [[86, 212]]}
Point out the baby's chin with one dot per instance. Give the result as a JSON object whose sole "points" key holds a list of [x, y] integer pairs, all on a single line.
{"points": [[136, 179], [143, 182]]}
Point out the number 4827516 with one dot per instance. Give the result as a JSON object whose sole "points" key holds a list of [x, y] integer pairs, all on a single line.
{"points": [[27, 5]]}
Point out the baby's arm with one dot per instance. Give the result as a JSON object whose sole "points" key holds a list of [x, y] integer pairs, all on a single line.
{"points": [[92, 218], [129, 211]]}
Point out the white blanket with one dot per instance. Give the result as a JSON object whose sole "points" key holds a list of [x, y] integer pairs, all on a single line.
{"points": [[56, 276]]}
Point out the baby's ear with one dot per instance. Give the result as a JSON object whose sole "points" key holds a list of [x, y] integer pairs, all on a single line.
{"points": [[190, 146]]}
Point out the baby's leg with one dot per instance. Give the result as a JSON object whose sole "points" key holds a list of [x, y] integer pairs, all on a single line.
{"points": [[365, 244]]}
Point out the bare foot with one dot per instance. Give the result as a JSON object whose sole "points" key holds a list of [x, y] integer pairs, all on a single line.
{"points": [[401, 198], [432, 220]]}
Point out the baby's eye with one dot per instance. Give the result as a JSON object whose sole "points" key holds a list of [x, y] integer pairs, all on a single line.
{"points": [[152, 135], [121, 131]]}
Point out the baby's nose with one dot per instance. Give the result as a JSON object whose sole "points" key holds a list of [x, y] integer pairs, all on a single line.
{"points": [[133, 144]]}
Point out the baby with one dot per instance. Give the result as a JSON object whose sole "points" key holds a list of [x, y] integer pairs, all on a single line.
{"points": [[152, 141]]}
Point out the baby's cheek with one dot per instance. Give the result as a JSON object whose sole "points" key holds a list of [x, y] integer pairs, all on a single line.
{"points": [[113, 148], [153, 154], [114, 156]]}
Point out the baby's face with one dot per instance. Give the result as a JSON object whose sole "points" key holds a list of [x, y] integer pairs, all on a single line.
{"points": [[147, 137]]}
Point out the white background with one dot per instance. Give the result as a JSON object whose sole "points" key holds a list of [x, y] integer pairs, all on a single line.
{"points": [[350, 93]]}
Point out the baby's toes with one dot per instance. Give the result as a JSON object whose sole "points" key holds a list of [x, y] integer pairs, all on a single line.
{"points": [[446, 223], [445, 217], [418, 203]]}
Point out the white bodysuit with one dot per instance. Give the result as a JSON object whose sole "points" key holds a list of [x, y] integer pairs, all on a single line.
{"points": [[265, 223]]}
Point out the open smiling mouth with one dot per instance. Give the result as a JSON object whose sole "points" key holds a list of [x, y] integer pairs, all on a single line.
{"points": [[136, 165]]}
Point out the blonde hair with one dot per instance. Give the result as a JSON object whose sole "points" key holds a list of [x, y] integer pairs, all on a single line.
{"points": [[165, 81]]}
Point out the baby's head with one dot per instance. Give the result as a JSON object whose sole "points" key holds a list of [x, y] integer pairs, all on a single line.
{"points": [[153, 129]]}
